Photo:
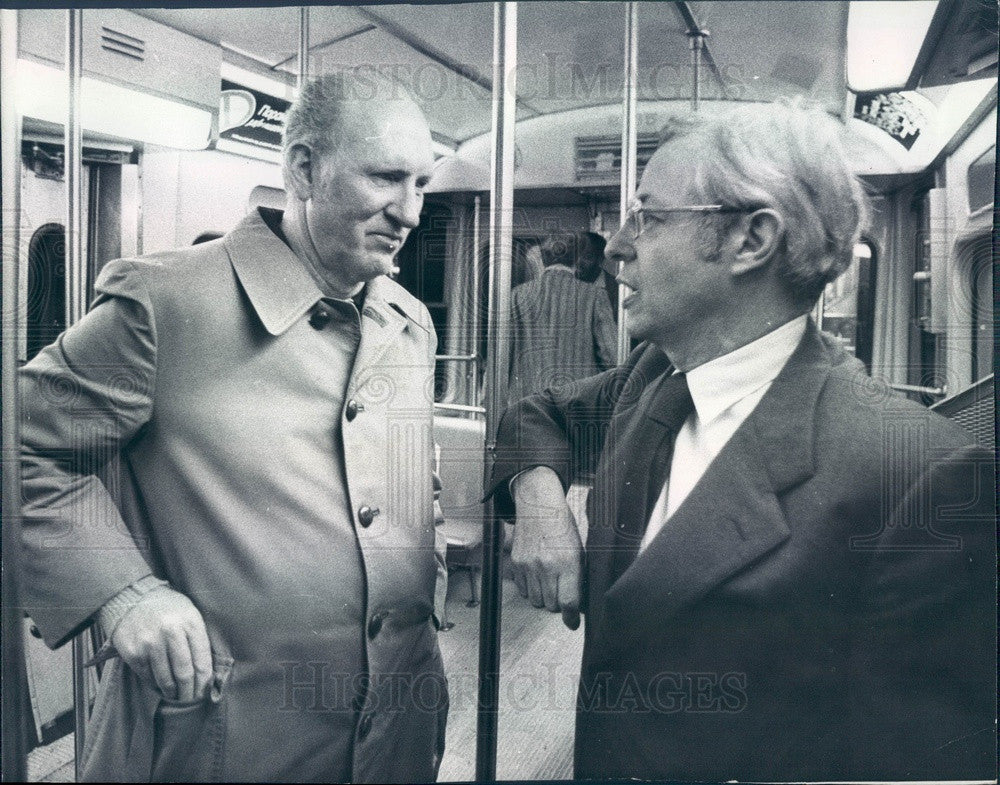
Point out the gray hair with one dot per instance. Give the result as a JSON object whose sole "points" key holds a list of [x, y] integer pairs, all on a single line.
{"points": [[790, 159], [315, 117]]}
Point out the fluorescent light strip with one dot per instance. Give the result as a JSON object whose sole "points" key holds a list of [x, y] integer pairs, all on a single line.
{"points": [[41, 93]]}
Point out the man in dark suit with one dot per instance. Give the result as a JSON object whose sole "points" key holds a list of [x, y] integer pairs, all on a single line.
{"points": [[789, 570]]}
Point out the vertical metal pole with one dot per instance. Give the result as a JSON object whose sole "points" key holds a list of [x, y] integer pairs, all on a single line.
{"points": [[303, 74], [630, 97], [12, 722], [498, 332], [76, 289], [697, 38], [75, 264], [477, 205]]}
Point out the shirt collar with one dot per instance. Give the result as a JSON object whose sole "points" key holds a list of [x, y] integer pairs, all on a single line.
{"points": [[720, 383], [557, 268], [282, 290]]}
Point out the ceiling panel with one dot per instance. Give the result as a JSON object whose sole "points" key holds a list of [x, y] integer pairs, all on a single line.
{"points": [[456, 107], [570, 54], [768, 50], [267, 34]]}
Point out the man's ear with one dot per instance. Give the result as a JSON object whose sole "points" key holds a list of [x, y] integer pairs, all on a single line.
{"points": [[759, 237], [300, 171]]}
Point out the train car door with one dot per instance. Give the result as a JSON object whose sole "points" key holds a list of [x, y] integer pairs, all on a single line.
{"points": [[110, 185], [43, 219], [43, 280]]}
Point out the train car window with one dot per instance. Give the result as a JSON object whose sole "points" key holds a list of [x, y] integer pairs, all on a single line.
{"points": [[848, 304], [981, 300], [422, 273], [980, 178], [46, 286]]}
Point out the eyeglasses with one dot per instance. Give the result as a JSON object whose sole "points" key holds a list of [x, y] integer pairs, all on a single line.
{"points": [[636, 214]]}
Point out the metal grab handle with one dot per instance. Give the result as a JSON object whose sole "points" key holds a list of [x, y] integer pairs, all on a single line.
{"points": [[460, 407], [916, 388]]}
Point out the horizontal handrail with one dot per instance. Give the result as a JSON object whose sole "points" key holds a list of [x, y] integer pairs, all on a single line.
{"points": [[461, 358], [460, 407], [943, 390]]}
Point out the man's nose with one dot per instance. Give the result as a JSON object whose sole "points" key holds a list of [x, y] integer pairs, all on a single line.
{"points": [[405, 208], [619, 249]]}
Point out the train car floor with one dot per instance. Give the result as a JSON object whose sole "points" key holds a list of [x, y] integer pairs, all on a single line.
{"points": [[53, 762], [539, 668]]}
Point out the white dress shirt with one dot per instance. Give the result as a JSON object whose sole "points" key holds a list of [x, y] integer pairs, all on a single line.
{"points": [[725, 390]]}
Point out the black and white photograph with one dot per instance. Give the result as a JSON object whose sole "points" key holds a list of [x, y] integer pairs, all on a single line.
{"points": [[499, 391]]}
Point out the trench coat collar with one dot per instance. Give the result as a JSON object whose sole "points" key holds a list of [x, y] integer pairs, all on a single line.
{"points": [[281, 289], [733, 516], [275, 280]]}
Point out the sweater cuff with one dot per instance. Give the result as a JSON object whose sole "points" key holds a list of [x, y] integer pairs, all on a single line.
{"points": [[114, 610]]}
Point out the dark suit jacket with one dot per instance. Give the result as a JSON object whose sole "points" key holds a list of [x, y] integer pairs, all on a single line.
{"points": [[820, 607]]}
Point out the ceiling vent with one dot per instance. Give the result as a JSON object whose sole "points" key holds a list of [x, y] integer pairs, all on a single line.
{"points": [[131, 52], [122, 44], [598, 159]]}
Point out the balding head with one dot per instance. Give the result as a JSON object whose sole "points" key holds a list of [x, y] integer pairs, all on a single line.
{"points": [[342, 106]]}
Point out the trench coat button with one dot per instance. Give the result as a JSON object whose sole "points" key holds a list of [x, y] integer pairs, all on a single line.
{"points": [[35, 631], [366, 515], [375, 623], [320, 318], [365, 726], [353, 407]]}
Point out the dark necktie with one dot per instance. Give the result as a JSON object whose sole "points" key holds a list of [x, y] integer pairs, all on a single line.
{"points": [[673, 405], [669, 408]]}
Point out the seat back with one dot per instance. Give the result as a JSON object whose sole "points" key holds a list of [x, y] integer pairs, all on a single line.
{"points": [[974, 409], [460, 467]]}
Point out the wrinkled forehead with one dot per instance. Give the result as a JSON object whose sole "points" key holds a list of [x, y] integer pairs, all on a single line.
{"points": [[366, 120], [386, 130]]}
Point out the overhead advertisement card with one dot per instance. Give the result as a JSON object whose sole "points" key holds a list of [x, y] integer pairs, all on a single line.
{"points": [[251, 117]]}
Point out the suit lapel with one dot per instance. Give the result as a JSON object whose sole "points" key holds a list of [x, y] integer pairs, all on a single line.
{"points": [[622, 478], [633, 434], [733, 516]]}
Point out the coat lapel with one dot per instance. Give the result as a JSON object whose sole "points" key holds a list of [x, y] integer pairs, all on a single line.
{"points": [[733, 516], [275, 280], [381, 324]]}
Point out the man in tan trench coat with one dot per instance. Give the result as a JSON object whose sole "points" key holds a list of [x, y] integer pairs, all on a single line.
{"points": [[227, 467]]}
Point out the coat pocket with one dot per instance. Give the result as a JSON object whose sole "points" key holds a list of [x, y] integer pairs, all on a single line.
{"points": [[187, 743], [135, 735], [188, 738]]}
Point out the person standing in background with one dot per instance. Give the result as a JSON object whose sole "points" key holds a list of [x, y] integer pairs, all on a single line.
{"points": [[591, 266], [562, 327]]}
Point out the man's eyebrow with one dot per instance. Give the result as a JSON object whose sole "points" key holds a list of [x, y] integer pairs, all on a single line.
{"points": [[383, 170]]}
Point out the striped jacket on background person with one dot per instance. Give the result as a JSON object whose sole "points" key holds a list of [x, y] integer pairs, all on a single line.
{"points": [[563, 329]]}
